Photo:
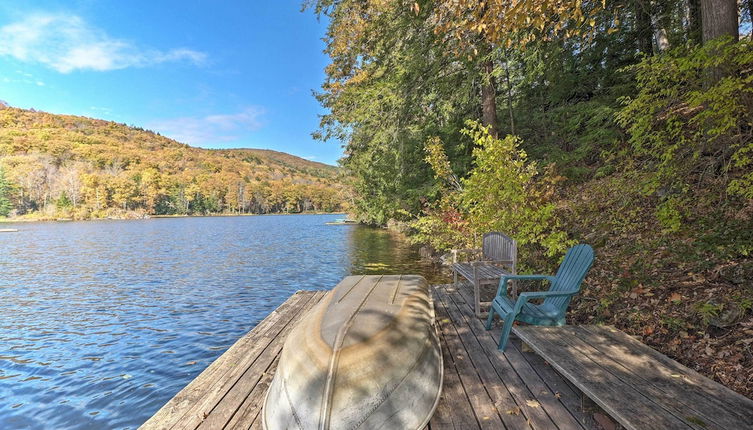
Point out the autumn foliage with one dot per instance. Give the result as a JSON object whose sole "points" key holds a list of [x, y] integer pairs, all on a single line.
{"points": [[73, 167]]}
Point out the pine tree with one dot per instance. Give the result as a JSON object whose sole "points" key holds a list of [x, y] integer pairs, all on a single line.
{"points": [[5, 205]]}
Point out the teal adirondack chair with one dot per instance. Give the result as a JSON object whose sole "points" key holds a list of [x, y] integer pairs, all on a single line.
{"points": [[564, 286]]}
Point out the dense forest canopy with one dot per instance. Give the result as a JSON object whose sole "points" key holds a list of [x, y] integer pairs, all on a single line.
{"points": [[625, 124], [54, 166]]}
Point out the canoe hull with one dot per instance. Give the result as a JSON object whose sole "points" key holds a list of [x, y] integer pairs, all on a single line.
{"points": [[367, 356]]}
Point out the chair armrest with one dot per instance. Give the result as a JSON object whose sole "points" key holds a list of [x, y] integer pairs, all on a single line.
{"points": [[503, 282], [466, 250], [544, 294], [455, 252], [523, 298], [494, 262], [532, 277], [482, 263]]}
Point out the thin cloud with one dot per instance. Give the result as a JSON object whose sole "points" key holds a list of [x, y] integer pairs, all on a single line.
{"points": [[67, 43], [26, 78], [211, 129]]}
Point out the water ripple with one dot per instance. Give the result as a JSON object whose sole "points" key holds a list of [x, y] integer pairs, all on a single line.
{"points": [[102, 322]]}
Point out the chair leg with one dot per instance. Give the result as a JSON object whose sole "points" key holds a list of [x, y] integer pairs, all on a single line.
{"points": [[454, 278], [477, 297], [490, 319], [509, 319]]}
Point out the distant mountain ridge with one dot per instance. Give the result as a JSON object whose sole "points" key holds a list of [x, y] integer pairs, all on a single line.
{"points": [[283, 157], [73, 166]]}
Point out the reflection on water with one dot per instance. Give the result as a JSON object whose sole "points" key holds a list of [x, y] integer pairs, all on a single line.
{"points": [[102, 322], [378, 251]]}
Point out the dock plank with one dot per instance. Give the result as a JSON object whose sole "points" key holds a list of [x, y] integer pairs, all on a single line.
{"points": [[513, 412], [181, 410], [624, 402], [211, 398], [519, 370], [251, 406], [665, 402], [454, 405], [539, 403], [233, 398], [567, 393], [454, 410], [486, 413], [707, 398]]}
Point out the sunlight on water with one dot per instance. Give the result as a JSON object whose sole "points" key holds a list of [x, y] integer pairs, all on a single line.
{"points": [[103, 322]]}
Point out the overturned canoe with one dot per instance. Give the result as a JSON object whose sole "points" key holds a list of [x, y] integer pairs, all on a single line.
{"points": [[367, 356]]}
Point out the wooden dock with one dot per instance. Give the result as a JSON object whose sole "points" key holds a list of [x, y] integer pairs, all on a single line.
{"points": [[483, 388], [636, 385]]}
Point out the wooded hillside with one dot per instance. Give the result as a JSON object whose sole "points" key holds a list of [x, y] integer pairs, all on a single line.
{"points": [[54, 166], [625, 124]]}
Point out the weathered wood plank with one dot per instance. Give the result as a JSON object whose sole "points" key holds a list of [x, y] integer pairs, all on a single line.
{"points": [[483, 405], [568, 396], [233, 398], [503, 401], [201, 409], [696, 394], [172, 412], [567, 393], [257, 424], [629, 406], [251, 407], [454, 409], [542, 407], [571, 335]]}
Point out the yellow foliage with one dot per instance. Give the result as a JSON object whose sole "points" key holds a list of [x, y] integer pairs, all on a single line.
{"points": [[101, 165]]}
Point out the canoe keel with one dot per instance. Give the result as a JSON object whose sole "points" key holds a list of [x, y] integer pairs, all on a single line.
{"points": [[367, 356]]}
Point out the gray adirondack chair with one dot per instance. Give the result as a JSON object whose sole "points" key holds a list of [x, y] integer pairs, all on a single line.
{"points": [[498, 257], [564, 285]]}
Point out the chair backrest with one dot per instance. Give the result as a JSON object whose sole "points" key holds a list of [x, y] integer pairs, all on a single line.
{"points": [[499, 247], [571, 273]]}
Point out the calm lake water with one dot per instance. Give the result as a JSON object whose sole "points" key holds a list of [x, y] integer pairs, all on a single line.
{"points": [[102, 322]]}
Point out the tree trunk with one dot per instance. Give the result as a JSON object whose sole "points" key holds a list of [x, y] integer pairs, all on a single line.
{"points": [[643, 26], [719, 18], [694, 21], [489, 99], [661, 22], [509, 97]]}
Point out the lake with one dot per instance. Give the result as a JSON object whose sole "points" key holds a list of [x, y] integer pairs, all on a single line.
{"points": [[102, 322]]}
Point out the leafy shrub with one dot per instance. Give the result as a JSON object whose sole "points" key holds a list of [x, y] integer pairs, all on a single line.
{"points": [[692, 116], [506, 192], [503, 192]]}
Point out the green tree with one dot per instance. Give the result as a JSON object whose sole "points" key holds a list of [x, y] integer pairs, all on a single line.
{"points": [[63, 202], [5, 188]]}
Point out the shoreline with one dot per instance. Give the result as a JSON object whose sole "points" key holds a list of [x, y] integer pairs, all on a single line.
{"points": [[42, 219]]}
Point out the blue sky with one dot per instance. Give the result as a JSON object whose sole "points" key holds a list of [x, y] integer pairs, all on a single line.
{"points": [[210, 73]]}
